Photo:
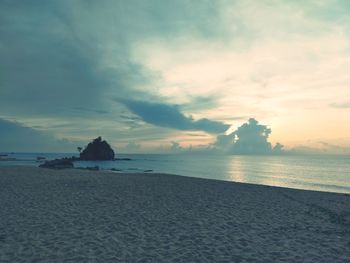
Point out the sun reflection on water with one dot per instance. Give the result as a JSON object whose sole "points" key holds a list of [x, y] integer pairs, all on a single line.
{"points": [[257, 170]]}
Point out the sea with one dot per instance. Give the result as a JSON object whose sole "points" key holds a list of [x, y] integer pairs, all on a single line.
{"points": [[328, 173]]}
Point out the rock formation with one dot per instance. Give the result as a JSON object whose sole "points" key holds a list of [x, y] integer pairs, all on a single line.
{"points": [[97, 150], [63, 163]]}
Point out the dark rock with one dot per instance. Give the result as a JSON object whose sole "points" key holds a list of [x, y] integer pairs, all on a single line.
{"points": [[63, 163], [73, 158], [123, 159], [97, 150], [147, 171], [38, 158]]}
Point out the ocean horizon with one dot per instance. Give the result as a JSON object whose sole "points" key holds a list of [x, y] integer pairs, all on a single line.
{"points": [[329, 173]]}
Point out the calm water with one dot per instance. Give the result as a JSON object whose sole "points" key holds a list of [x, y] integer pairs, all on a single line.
{"points": [[325, 173]]}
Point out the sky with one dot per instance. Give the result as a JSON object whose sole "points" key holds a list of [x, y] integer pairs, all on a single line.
{"points": [[173, 76]]}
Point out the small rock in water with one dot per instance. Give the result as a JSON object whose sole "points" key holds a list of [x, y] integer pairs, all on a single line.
{"points": [[58, 164], [147, 171]]}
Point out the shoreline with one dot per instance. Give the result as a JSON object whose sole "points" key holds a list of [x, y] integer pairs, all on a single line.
{"points": [[150, 172], [81, 215], [320, 174]]}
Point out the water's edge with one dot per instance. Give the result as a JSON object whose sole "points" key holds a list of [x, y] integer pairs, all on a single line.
{"points": [[321, 173]]}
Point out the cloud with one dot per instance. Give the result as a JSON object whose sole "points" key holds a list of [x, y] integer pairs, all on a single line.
{"points": [[318, 146], [61, 62], [44, 69], [93, 111], [200, 103], [170, 116], [17, 137], [176, 147], [344, 105], [278, 148], [132, 147], [249, 138], [304, 150], [64, 61], [334, 147], [55, 59]]}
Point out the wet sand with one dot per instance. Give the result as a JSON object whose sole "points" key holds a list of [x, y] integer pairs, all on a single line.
{"points": [[88, 216]]}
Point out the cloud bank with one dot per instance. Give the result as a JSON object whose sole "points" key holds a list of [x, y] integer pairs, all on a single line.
{"points": [[249, 138], [17, 137], [344, 105]]}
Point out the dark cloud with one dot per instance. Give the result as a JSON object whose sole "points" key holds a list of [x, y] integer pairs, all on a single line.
{"points": [[63, 61], [17, 137], [170, 116], [249, 138], [51, 61], [252, 138], [54, 55], [42, 67]]}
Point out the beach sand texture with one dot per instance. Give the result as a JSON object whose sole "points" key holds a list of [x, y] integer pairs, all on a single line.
{"points": [[84, 216]]}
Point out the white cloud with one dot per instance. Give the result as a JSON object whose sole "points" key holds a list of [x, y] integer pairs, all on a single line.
{"points": [[290, 69]]}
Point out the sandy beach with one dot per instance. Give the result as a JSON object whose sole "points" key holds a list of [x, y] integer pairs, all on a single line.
{"points": [[85, 216]]}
